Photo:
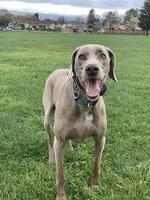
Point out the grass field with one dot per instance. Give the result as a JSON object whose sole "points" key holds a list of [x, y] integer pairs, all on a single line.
{"points": [[26, 60]]}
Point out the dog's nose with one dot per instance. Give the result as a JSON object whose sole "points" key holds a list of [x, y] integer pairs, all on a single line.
{"points": [[92, 70]]}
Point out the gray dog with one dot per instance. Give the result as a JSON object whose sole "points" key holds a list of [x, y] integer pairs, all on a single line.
{"points": [[75, 96]]}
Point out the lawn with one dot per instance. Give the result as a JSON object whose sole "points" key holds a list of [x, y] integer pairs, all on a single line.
{"points": [[26, 60]]}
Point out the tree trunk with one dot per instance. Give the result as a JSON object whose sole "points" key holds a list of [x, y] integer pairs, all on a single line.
{"points": [[147, 32]]}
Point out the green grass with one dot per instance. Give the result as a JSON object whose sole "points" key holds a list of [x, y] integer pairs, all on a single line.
{"points": [[26, 60]]}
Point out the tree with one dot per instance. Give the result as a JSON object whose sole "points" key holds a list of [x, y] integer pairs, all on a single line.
{"points": [[91, 21], [78, 24], [59, 23], [111, 20], [131, 18], [98, 24], [144, 18], [36, 16], [5, 18]]}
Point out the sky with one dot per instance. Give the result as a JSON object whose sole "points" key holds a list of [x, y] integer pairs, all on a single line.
{"points": [[70, 7]]}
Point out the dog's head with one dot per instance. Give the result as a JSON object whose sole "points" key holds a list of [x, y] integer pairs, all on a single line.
{"points": [[92, 64]]}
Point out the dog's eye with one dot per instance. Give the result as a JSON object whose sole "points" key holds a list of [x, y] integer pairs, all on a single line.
{"points": [[103, 56], [82, 57]]}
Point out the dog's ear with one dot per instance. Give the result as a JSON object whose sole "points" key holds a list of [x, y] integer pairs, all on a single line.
{"points": [[112, 65], [73, 57]]}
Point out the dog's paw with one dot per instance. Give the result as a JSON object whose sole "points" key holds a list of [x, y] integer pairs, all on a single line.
{"points": [[51, 161], [95, 187], [51, 158], [69, 146], [70, 149], [95, 183], [61, 198]]}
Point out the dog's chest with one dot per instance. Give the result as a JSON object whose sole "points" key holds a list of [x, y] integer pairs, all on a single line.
{"points": [[88, 117], [82, 129]]}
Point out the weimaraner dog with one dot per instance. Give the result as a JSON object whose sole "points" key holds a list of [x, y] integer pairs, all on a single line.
{"points": [[75, 96]]}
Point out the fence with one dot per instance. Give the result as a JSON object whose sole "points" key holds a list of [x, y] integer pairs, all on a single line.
{"points": [[126, 31]]}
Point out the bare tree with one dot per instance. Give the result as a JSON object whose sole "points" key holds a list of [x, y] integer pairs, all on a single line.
{"points": [[59, 23], [78, 24], [111, 20], [98, 24]]}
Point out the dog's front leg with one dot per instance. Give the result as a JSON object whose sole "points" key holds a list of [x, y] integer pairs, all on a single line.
{"points": [[59, 148], [99, 146]]}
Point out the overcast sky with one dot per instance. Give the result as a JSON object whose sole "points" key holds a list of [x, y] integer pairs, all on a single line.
{"points": [[70, 7]]}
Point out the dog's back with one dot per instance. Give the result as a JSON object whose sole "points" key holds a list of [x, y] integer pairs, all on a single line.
{"points": [[54, 82]]}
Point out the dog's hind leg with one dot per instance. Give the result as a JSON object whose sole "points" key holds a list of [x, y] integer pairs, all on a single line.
{"points": [[47, 125], [59, 154], [69, 146], [48, 119]]}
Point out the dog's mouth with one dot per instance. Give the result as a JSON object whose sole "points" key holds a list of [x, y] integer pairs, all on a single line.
{"points": [[93, 88]]}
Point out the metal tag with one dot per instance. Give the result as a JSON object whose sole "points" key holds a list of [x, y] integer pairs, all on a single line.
{"points": [[89, 117]]}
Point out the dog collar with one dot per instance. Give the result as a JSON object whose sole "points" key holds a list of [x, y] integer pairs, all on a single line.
{"points": [[80, 96]]}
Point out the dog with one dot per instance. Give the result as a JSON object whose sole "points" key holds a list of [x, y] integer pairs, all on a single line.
{"points": [[73, 100]]}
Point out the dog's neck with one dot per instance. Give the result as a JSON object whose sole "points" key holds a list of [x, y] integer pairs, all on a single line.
{"points": [[80, 95]]}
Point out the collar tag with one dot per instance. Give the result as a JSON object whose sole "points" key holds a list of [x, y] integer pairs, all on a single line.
{"points": [[76, 95]]}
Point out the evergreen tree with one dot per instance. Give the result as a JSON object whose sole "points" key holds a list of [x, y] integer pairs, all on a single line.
{"points": [[36, 16], [91, 21], [144, 19], [5, 18]]}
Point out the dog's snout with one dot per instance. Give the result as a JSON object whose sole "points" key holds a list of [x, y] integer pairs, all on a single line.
{"points": [[92, 70]]}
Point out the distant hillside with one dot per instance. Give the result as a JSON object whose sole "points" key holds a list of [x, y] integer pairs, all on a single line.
{"points": [[50, 16]]}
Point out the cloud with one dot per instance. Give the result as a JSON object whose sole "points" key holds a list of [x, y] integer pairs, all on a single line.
{"points": [[50, 8], [103, 4]]}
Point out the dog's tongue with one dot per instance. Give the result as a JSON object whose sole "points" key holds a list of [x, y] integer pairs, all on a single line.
{"points": [[92, 88]]}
